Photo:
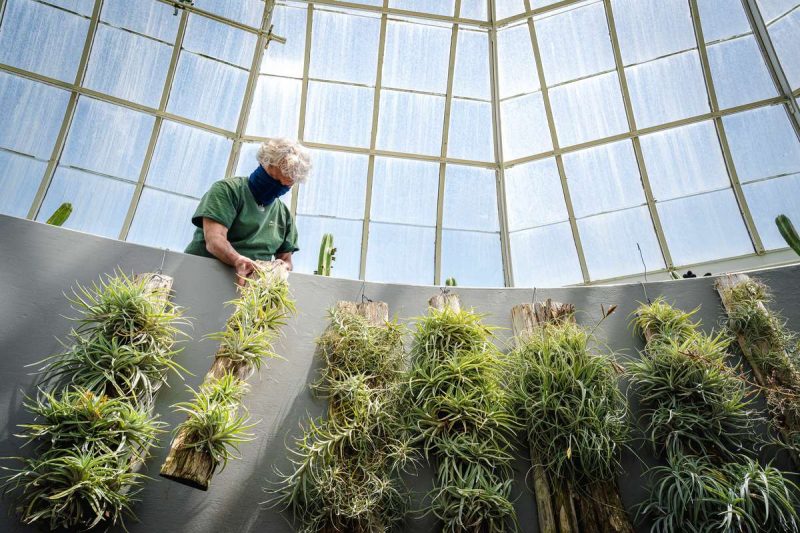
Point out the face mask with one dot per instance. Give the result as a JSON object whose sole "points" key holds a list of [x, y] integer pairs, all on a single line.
{"points": [[264, 187]]}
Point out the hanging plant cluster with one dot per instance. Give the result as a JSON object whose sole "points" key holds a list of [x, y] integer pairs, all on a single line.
{"points": [[769, 348], [697, 412], [575, 416], [460, 405], [346, 466], [217, 421], [93, 413]]}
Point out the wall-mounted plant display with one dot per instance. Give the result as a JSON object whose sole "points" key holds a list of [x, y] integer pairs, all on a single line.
{"points": [[93, 422], [346, 466], [460, 404], [575, 416], [770, 349], [698, 413], [216, 419]]}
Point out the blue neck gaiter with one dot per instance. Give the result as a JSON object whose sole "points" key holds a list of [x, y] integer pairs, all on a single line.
{"points": [[264, 187]]}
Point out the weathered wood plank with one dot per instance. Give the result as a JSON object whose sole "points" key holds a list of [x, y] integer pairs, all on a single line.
{"points": [[446, 300]]}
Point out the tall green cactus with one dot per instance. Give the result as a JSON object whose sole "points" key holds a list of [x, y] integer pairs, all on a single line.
{"points": [[327, 255], [60, 215], [788, 232], [450, 282]]}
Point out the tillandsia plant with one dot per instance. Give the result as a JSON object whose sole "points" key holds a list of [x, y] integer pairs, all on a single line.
{"points": [[346, 466], [568, 399], [458, 401], [690, 494], [93, 427], [217, 421], [769, 347]]}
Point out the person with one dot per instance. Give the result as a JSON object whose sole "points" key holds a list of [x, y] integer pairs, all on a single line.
{"points": [[240, 220]]}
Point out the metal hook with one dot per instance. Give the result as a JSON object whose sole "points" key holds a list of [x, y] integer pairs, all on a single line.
{"points": [[363, 294]]}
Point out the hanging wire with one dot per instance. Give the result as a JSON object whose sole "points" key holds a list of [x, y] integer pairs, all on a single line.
{"points": [[363, 294], [533, 297], [641, 256]]}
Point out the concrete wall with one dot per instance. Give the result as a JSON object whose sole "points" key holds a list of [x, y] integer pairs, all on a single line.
{"points": [[39, 262]]}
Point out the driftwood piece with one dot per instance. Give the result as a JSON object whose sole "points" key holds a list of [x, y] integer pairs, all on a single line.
{"points": [[775, 384], [561, 508], [187, 464], [376, 313], [446, 300]]}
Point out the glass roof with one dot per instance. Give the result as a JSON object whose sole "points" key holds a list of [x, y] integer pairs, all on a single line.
{"points": [[500, 142]]}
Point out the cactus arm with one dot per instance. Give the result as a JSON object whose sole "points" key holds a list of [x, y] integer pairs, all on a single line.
{"points": [[450, 282], [326, 255], [788, 232], [60, 215]]}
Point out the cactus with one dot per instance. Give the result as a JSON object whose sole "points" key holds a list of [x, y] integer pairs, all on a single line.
{"points": [[450, 282], [788, 232], [327, 255], [60, 215]]}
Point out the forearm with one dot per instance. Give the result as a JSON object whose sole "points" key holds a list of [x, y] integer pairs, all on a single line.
{"points": [[222, 249], [286, 257]]}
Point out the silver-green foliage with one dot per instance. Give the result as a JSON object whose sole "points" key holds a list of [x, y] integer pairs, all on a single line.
{"points": [[460, 406], [345, 474], [569, 402]]}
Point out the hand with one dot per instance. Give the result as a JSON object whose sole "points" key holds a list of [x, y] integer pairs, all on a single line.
{"points": [[244, 267]]}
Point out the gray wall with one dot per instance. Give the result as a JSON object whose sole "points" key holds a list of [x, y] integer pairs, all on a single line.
{"points": [[39, 262]]}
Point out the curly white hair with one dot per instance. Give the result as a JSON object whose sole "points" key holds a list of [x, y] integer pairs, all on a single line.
{"points": [[290, 156]]}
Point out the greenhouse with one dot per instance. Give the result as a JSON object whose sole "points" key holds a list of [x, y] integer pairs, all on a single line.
{"points": [[400, 265]]}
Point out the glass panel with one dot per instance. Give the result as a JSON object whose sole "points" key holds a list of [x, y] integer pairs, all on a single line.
{"points": [[99, 205], [404, 191], [400, 254], [346, 238], [338, 186], [722, 19], [508, 8], [470, 198], [220, 41], [471, 71], [667, 89], [704, 228], [287, 59], [684, 161], [344, 47], [770, 198], [740, 75], [575, 43], [784, 37], [84, 7], [149, 17], [471, 133], [474, 9], [163, 220], [128, 66], [207, 91], [534, 195], [188, 160], [474, 259], [609, 243], [604, 178], [245, 11], [107, 138], [422, 135], [32, 115], [524, 127], [19, 179], [339, 114], [652, 28], [276, 107], [42, 39], [763, 143], [438, 7], [772, 9], [405, 68], [588, 109], [515, 63], [248, 162], [545, 257]]}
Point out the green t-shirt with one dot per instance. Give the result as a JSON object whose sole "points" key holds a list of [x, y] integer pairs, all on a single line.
{"points": [[253, 231]]}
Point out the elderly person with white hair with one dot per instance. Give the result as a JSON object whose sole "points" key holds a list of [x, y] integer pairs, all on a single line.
{"points": [[239, 220]]}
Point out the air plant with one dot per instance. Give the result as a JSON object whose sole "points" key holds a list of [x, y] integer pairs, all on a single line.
{"points": [[568, 399], [690, 494], [213, 422], [663, 321], [346, 466], [458, 401]]}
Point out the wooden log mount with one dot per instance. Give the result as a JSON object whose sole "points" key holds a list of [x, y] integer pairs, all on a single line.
{"points": [[445, 300], [751, 350], [561, 508], [189, 465]]}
